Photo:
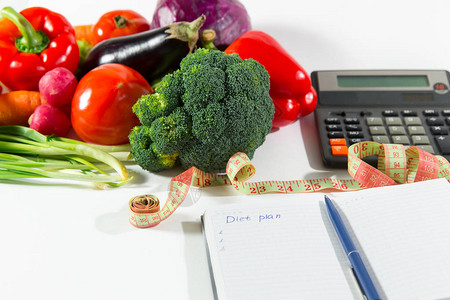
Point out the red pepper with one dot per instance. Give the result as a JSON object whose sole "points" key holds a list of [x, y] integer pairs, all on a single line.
{"points": [[289, 82], [286, 112], [118, 23], [32, 43]]}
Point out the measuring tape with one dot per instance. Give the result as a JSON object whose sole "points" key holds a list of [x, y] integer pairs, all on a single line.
{"points": [[395, 166]]}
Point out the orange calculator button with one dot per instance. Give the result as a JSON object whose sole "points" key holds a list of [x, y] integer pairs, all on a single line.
{"points": [[337, 142], [339, 150]]}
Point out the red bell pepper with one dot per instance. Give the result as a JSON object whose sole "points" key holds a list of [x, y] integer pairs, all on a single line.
{"points": [[32, 43], [290, 85]]}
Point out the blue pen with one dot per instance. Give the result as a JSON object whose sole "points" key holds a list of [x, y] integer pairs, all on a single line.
{"points": [[360, 270]]}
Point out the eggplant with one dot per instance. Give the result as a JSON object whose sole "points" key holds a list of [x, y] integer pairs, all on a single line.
{"points": [[153, 53]]}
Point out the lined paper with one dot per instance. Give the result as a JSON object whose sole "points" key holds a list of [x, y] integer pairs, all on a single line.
{"points": [[404, 234], [277, 251]]}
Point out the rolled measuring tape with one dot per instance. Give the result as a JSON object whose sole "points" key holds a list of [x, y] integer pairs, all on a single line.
{"points": [[395, 166]]}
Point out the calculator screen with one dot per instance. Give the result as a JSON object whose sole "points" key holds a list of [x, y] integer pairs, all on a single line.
{"points": [[381, 88], [346, 81]]}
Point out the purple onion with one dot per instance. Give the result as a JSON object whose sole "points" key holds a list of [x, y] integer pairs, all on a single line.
{"points": [[228, 18]]}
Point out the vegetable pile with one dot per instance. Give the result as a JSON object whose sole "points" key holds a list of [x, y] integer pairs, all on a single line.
{"points": [[191, 87], [200, 115]]}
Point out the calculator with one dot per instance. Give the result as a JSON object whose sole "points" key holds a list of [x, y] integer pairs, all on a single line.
{"points": [[408, 107]]}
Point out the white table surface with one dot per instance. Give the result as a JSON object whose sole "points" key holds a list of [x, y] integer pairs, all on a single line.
{"points": [[66, 241]]}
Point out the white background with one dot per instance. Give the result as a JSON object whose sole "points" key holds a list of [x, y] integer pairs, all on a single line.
{"points": [[65, 241]]}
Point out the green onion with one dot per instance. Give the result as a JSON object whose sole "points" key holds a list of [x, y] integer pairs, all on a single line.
{"points": [[25, 153]]}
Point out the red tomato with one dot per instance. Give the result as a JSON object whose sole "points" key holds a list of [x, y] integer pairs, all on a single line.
{"points": [[102, 104], [286, 112], [118, 23]]}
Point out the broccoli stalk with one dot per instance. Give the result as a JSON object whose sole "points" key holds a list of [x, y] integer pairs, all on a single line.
{"points": [[200, 115], [25, 153]]}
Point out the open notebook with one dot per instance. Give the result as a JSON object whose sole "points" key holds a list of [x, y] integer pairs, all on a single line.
{"points": [[288, 249]]}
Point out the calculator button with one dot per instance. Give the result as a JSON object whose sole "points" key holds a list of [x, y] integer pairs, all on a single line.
{"points": [[337, 142], [409, 113], [397, 130], [400, 139], [335, 134], [339, 150], [427, 148], [430, 113], [439, 130], [351, 121], [334, 127], [374, 121], [393, 121], [390, 113], [420, 140], [432, 121], [355, 134], [354, 141], [377, 130], [409, 121], [382, 139], [446, 112], [353, 127], [418, 130], [447, 121], [443, 143], [332, 121]]}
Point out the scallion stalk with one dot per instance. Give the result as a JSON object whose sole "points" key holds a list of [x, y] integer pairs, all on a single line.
{"points": [[25, 153]]}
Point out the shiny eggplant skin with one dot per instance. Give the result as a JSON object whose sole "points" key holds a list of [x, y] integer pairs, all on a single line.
{"points": [[152, 53]]}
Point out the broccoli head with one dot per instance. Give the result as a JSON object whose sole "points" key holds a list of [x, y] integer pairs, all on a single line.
{"points": [[200, 115]]}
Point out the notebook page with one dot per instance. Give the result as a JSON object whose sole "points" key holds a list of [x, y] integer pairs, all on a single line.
{"points": [[404, 233], [277, 251]]}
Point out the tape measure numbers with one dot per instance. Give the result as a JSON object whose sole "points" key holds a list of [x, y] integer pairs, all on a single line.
{"points": [[395, 166]]}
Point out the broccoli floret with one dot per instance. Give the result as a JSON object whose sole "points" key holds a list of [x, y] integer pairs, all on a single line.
{"points": [[212, 58], [212, 107], [145, 154], [152, 106], [247, 78], [165, 99], [171, 87], [209, 124], [171, 133], [203, 84]]}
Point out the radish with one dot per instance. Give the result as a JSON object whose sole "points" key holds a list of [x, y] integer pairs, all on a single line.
{"points": [[57, 87], [48, 119]]}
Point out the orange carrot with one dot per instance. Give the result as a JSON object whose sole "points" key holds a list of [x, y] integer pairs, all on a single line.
{"points": [[84, 33], [17, 106]]}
